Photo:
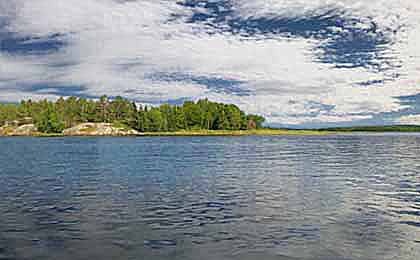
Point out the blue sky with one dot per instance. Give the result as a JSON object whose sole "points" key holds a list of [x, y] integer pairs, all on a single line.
{"points": [[300, 63]]}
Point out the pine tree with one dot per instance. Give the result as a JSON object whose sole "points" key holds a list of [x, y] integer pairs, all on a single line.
{"points": [[48, 120], [52, 117]]}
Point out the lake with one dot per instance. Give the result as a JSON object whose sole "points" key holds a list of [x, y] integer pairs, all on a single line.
{"points": [[211, 198]]}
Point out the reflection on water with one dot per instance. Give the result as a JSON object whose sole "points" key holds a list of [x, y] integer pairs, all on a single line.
{"points": [[335, 197]]}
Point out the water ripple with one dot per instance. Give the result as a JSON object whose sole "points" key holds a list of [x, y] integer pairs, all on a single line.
{"points": [[335, 197]]}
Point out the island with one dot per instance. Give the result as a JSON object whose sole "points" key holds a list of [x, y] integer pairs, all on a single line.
{"points": [[76, 116], [117, 116]]}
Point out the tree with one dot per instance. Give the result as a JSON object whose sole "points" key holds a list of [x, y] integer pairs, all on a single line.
{"points": [[255, 120], [88, 110], [131, 116], [192, 115], [156, 120], [180, 122], [8, 113], [48, 120], [102, 109], [235, 117], [52, 117], [222, 121]]}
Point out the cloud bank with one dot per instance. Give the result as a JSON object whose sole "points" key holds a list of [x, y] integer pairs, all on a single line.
{"points": [[299, 63]]}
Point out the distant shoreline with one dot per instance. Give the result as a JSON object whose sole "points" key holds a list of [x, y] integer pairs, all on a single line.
{"points": [[259, 132], [227, 133], [74, 116]]}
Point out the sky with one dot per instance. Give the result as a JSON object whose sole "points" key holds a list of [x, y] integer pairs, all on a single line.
{"points": [[299, 63]]}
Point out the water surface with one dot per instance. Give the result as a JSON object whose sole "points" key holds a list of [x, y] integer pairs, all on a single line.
{"points": [[211, 198]]}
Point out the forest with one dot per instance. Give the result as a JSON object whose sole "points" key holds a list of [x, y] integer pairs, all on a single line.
{"points": [[55, 116]]}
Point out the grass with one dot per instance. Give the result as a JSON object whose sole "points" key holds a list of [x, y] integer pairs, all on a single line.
{"points": [[88, 130], [266, 132], [39, 134], [121, 126], [271, 131], [257, 132]]}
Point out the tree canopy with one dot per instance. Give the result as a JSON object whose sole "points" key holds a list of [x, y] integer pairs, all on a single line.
{"points": [[53, 117]]}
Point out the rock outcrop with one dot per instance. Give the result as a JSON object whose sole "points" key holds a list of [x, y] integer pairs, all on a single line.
{"points": [[85, 129], [23, 130], [99, 129]]}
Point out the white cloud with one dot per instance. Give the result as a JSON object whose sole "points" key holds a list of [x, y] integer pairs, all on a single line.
{"points": [[409, 120], [111, 47]]}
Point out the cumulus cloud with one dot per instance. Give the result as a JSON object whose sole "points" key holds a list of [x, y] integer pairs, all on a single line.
{"points": [[296, 62], [409, 120]]}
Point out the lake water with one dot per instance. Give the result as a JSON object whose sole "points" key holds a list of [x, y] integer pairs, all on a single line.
{"points": [[211, 198]]}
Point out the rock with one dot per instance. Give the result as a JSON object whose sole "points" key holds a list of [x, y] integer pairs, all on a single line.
{"points": [[19, 122], [23, 130], [85, 129], [99, 129]]}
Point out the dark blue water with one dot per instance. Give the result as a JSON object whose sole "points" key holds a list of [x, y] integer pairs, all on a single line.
{"points": [[335, 197]]}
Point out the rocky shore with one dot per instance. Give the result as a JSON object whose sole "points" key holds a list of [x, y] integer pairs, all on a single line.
{"points": [[23, 130], [109, 129], [84, 129], [99, 129]]}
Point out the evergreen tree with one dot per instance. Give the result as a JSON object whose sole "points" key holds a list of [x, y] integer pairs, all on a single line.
{"points": [[131, 116], [102, 109], [52, 117], [48, 120], [180, 122], [156, 120]]}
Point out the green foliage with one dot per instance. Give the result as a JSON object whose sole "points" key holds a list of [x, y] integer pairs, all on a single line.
{"points": [[257, 120], [53, 117], [8, 113], [47, 121]]}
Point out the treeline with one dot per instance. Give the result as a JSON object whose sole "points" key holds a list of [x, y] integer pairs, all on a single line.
{"points": [[385, 128], [54, 117]]}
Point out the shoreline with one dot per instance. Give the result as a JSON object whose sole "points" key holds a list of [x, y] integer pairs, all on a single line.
{"points": [[226, 133], [220, 133], [261, 132], [111, 130]]}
